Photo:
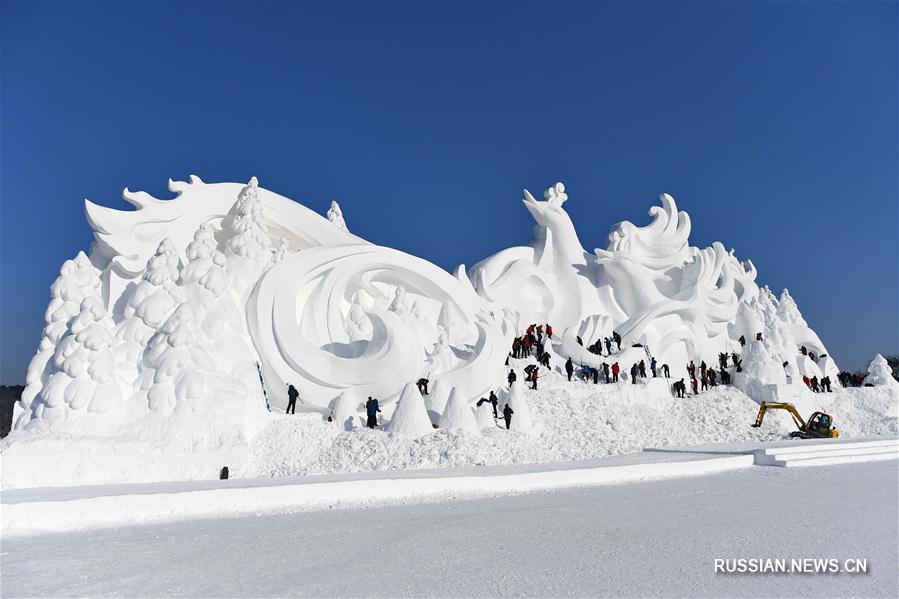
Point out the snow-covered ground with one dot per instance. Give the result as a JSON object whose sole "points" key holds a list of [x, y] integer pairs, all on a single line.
{"points": [[573, 421], [648, 539]]}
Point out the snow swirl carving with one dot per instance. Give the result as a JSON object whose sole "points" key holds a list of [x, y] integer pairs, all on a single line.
{"points": [[363, 318]]}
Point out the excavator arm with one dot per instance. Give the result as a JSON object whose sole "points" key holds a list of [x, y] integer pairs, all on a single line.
{"points": [[763, 409]]}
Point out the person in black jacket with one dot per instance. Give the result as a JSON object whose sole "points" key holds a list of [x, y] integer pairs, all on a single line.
{"points": [[569, 368], [507, 414], [292, 395], [371, 409], [512, 377], [494, 401]]}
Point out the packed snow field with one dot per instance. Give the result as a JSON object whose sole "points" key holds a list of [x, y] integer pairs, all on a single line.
{"points": [[651, 539], [574, 421]]}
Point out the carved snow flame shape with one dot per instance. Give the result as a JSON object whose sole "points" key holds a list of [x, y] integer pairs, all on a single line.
{"points": [[661, 244]]}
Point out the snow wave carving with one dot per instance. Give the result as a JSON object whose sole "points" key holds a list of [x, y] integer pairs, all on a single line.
{"points": [[307, 313]]}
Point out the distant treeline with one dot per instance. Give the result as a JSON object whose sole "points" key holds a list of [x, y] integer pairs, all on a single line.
{"points": [[9, 395]]}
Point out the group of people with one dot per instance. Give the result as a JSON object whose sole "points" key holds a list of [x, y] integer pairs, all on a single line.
{"points": [[849, 379], [596, 346], [532, 342], [822, 386]]}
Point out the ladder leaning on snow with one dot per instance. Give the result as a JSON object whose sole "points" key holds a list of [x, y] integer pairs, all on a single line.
{"points": [[262, 384]]}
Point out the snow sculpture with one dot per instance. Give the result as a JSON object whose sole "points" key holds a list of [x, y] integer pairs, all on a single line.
{"points": [[410, 418], [435, 401], [458, 414], [343, 410], [880, 374], [78, 279], [484, 416], [80, 378], [521, 417], [760, 363], [193, 297], [335, 215]]}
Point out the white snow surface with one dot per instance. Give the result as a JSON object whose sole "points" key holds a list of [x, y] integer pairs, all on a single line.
{"points": [[652, 539]]}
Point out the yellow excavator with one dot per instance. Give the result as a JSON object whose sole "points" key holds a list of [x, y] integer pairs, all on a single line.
{"points": [[817, 427]]}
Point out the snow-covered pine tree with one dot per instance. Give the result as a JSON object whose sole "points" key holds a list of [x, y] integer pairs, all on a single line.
{"points": [[249, 248], [81, 378], [77, 280], [153, 300], [206, 290]]}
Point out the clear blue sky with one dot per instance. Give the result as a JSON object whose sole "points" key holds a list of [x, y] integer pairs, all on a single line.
{"points": [[774, 125]]}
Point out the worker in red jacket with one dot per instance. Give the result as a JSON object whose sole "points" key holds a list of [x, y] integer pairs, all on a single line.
{"points": [[615, 370]]}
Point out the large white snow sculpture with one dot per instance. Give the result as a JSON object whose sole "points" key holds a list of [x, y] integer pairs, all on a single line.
{"points": [[183, 303]]}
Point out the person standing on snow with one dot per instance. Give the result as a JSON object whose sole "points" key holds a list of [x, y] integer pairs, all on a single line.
{"points": [[371, 409], [292, 395], [507, 415], [642, 369], [652, 367], [549, 331], [533, 378], [569, 368], [512, 377], [634, 374], [666, 371], [615, 370], [494, 401], [695, 384], [605, 371]]}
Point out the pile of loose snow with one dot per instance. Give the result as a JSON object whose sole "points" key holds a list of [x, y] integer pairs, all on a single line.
{"points": [[573, 421]]}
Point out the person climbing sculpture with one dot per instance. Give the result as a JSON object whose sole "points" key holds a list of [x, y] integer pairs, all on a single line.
{"points": [[423, 385]]}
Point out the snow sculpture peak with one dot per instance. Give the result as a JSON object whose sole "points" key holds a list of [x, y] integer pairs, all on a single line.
{"points": [[661, 244], [880, 374], [335, 215], [458, 414], [250, 237], [521, 417], [410, 417]]}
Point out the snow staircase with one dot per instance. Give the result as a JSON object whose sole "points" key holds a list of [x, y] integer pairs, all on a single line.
{"points": [[825, 453]]}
